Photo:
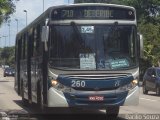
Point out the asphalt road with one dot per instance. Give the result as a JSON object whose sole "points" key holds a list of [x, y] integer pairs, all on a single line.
{"points": [[11, 107]]}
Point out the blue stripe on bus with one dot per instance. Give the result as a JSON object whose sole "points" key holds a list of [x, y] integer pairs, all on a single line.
{"points": [[99, 83]]}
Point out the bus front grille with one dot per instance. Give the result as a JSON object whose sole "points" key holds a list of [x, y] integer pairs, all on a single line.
{"points": [[100, 77], [95, 89]]}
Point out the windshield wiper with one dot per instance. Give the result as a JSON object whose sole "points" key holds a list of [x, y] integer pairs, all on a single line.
{"points": [[78, 34]]}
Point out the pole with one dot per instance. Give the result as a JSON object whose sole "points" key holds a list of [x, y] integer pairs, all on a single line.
{"points": [[43, 5], [26, 16], [9, 34]]}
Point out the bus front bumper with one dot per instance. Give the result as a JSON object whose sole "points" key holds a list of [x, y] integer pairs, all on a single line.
{"points": [[80, 99]]}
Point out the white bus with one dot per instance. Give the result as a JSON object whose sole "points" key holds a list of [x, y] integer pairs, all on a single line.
{"points": [[80, 55]]}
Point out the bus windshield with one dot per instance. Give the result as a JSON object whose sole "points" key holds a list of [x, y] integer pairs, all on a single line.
{"points": [[93, 47]]}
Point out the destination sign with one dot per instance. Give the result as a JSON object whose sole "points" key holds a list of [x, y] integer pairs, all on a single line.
{"points": [[93, 12]]}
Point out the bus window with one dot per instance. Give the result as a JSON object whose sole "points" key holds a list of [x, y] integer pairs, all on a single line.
{"points": [[23, 48], [34, 35], [31, 40], [18, 49], [37, 39]]}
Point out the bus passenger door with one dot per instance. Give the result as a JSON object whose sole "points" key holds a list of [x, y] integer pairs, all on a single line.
{"points": [[23, 68], [32, 66], [36, 63], [17, 84]]}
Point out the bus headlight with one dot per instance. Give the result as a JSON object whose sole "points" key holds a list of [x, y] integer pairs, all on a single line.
{"points": [[54, 82], [130, 86], [59, 86]]}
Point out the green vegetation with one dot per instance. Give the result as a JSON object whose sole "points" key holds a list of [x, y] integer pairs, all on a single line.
{"points": [[7, 7], [7, 56]]}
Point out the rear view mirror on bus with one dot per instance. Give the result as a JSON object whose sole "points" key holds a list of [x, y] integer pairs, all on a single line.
{"points": [[140, 42], [45, 33]]}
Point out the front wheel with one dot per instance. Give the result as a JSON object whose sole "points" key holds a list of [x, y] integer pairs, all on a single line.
{"points": [[112, 112]]}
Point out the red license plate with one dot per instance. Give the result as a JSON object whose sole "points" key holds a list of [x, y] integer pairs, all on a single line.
{"points": [[96, 98]]}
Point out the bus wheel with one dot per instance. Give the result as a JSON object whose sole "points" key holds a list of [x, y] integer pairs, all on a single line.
{"points": [[112, 112], [145, 91]]}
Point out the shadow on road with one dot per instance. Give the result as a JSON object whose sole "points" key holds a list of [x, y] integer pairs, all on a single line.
{"points": [[33, 112]]}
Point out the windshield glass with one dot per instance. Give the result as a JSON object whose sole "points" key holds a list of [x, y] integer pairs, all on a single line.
{"points": [[92, 47]]}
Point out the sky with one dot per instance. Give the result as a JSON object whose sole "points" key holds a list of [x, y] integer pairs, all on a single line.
{"points": [[34, 8]]}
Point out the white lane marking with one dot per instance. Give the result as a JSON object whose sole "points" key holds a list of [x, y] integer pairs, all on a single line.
{"points": [[148, 99]]}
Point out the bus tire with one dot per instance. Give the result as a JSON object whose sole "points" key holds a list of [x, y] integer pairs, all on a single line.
{"points": [[112, 112]]}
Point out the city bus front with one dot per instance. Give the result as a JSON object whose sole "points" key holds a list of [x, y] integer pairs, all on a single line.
{"points": [[93, 64]]}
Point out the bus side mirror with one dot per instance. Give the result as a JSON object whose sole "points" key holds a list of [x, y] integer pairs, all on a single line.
{"points": [[140, 45]]}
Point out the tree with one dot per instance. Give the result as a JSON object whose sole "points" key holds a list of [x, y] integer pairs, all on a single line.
{"points": [[147, 10], [7, 56], [7, 7], [151, 42]]}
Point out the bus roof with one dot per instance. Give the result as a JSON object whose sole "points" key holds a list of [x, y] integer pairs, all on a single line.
{"points": [[100, 4]]}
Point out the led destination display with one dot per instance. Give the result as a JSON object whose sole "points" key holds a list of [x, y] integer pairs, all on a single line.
{"points": [[93, 12]]}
